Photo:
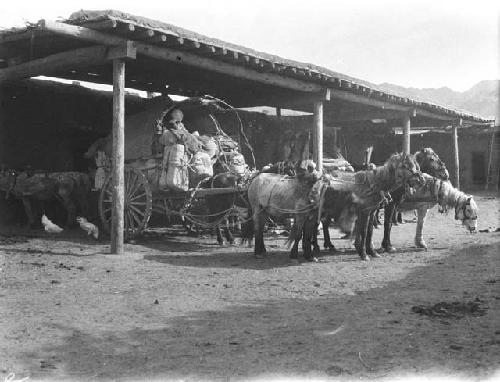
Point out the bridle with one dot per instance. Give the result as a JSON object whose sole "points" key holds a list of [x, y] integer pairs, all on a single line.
{"points": [[463, 207]]}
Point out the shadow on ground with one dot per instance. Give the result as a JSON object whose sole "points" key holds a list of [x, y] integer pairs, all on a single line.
{"points": [[371, 334]]}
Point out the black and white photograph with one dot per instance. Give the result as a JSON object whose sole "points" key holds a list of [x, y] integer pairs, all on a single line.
{"points": [[217, 190]]}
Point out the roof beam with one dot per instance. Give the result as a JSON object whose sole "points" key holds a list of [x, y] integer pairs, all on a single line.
{"points": [[56, 62], [179, 56]]}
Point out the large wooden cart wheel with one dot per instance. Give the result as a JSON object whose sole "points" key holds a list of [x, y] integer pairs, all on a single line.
{"points": [[138, 205]]}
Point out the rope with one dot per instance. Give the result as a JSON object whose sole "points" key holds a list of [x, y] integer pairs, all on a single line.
{"points": [[247, 142]]}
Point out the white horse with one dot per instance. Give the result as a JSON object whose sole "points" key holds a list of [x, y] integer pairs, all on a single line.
{"points": [[435, 191]]}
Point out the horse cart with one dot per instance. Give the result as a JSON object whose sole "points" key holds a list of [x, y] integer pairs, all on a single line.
{"points": [[144, 192]]}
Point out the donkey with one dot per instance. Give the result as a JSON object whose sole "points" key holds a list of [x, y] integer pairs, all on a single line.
{"points": [[430, 164]]}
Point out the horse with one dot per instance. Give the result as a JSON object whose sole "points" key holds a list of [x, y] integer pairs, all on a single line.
{"points": [[430, 164], [371, 188], [436, 191], [64, 187], [272, 194], [219, 204], [340, 207]]}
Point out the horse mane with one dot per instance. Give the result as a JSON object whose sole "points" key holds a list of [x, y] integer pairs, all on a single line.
{"points": [[449, 196], [384, 176]]}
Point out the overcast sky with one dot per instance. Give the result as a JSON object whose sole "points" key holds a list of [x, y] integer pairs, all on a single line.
{"points": [[411, 43]]}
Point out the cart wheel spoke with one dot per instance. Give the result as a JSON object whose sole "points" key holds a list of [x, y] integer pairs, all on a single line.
{"points": [[138, 199], [137, 219], [138, 203], [137, 211], [134, 183], [138, 196]]}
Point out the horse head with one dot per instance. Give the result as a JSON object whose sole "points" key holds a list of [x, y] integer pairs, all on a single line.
{"points": [[431, 164], [466, 211], [306, 171], [405, 169]]}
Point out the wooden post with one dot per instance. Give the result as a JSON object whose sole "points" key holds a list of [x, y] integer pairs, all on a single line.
{"points": [[318, 134], [406, 134], [455, 153], [118, 197]]}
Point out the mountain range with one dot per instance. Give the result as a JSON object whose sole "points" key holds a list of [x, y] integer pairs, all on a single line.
{"points": [[482, 98]]}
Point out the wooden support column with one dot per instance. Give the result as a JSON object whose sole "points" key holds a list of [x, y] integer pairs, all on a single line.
{"points": [[406, 134], [454, 135], [278, 112], [318, 134], [118, 197]]}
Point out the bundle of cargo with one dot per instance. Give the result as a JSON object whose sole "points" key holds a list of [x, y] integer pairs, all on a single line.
{"points": [[340, 164]]}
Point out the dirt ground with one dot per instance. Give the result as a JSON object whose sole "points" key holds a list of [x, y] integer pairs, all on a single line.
{"points": [[181, 308]]}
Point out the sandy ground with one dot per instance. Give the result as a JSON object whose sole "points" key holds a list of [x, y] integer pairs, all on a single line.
{"points": [[175, 307]]}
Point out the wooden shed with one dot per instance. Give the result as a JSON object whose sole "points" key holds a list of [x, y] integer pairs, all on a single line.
{"points": [[112, 47]]}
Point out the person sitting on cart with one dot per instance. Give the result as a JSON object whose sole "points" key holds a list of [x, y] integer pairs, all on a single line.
{"points": [[174, 132]]}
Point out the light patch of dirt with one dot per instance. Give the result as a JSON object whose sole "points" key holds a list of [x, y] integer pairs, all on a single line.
{"points": [[179, 307]]}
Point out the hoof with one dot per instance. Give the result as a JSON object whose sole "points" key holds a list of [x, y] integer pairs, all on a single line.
{"points": [[364, 257], [389, 249], [421, 245], [375, 254], [312, 259]]}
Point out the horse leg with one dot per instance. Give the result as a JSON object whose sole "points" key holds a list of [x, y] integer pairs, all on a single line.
{"points": [[227, 233], [399, 218], [309, 237], [259, 220], [219, 235], [419, 239], [369, 236], [388, 213], [394, 218], [376, 218], [294, 252], [69, 206], [297, 231], [327, 242], [316, 250], [28, 211], [361, 231]]}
